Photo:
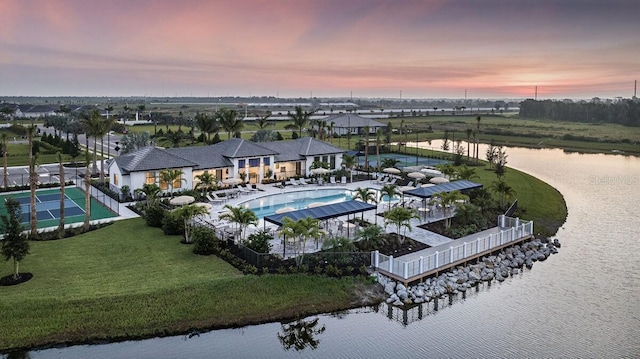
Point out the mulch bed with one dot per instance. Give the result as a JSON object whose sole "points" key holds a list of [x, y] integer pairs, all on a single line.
{"points": [[408, 246], [8, 280]]}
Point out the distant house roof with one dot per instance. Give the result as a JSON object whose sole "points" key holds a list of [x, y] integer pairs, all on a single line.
{"points": [[348, 120], [40, 109], [294, 150], [151, 158]]}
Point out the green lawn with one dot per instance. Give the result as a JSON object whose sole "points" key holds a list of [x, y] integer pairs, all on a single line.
{"points": [[129, 280]]}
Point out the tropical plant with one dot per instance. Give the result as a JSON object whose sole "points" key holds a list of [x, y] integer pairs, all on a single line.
{"points": [[104, 128], [300, 231], [378, 139], [365, 195], [15, 245], [447, 201], [92, 123], [241, 216], [207, 124], [389, 190], [259, 242], [400, 217], [447, 169], [263, 121], [187, 214], [349, 162], [133, 141], [299, 119], [229, 121], [389, 163], [169, 177], [366, 148], [264, 135], [371, 237], [206, 181], [465, 173], [151, 193], [503, 190], [338, 244]]}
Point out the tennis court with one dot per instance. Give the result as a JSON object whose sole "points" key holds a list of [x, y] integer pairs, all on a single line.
{"points": [[48, 207]]}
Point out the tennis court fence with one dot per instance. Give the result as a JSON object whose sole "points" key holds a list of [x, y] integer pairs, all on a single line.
{"points": [[101, 197]]}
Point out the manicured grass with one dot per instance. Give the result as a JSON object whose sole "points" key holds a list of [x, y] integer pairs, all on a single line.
{"points": [[129, 280]]}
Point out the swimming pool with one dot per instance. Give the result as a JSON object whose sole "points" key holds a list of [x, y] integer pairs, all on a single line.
{"points": [[268, 205]]}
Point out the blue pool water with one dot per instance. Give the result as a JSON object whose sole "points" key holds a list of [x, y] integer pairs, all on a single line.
{"points": [[268, 205]]}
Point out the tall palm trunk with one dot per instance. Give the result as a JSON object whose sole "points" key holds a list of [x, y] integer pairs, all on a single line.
{"points": [[33, 182], [102, 160], [4, 160], [366, 149], [62, 197], [87, 195]]}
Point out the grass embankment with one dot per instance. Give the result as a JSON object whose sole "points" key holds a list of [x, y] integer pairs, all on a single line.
{"points": [[129, 280]]}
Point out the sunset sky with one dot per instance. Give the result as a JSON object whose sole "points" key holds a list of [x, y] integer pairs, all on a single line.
{"points": [[298, 48]]}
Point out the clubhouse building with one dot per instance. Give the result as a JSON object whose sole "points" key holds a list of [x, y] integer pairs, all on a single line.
{"points": [[233, 158]]}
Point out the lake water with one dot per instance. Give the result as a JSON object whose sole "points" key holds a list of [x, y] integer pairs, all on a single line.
{"points": [[582, 302]]}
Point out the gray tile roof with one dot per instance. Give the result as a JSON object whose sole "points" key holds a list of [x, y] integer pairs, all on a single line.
{"points": [[206, 156], [294, 150], [238, 148], [149, 159], [352, 120]]}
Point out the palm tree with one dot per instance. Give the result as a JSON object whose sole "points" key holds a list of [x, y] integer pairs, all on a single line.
{"points": [[338, 244], [477, 139], [299, 119], [151, 193], [263, 122], [349, 161], [33, 182], [366, 148], [206, 182], [447, 200], [170, 177], [401, 130], [62, 197], [447, 169], [389, 162], [389, 190], [241, 216], [366, 196], [501, 188], [301, 231], [378, 139], [92, 124], [3, 143], [469, 133], [187, 214], [141, 109], [400, 217], [371, 237], [108, 109], [206, 124], [87, 190], [229, 122], [466, 173], [103, 130]]}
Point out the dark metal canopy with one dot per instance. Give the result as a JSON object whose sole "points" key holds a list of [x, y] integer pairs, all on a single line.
{"points": [[427, 192], [322, 212]]}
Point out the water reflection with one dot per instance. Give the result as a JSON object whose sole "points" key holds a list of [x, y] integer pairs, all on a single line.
{"points": [[300, 334]]}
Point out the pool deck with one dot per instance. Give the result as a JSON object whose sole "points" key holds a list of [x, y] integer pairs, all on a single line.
{"points": [[418, 234]]}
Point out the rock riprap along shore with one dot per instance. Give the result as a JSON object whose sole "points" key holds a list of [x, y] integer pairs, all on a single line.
{"points": [[508, 262]]}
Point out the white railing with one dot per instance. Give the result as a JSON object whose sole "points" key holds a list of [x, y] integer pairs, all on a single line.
{"points": [[446, 256]]}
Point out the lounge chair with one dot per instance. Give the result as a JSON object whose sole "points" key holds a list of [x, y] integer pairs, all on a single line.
{"points": [[293, 182], [215, 198], [393, 181], [383, 181], [251, 189], [303, 182], [343, 180], [244, 189], [333, 180]]}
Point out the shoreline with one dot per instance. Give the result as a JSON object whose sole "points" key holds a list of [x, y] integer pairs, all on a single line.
{"points": [[353, 293]]}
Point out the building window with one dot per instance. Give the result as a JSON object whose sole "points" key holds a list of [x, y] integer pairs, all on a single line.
{"points": [[254, 162], [266, 161], [178, 182], [150, 178], [241, 163], [332, 161], [115, 179]]}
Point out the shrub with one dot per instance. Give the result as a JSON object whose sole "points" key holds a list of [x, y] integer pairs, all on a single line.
{"points": [[172, 224], [333, 271], [205, 241], [154, 216], [249, 269], [258, 242]]}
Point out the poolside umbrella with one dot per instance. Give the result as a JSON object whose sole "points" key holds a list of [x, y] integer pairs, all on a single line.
{"points": [[202, 204], [392, 170], [181, 200], [232, 181], [427, 185], [416, 175], [438, 180], [320, 171], [285, 210], [431, 172]]}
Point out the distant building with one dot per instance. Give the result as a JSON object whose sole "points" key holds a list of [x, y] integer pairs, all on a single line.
{"points": [[348, 122]]}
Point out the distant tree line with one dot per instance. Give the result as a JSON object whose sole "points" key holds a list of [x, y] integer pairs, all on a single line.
{"points": [[625, 112]]}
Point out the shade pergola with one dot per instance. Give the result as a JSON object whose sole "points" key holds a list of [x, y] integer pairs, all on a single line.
{"points": [[328, 211], [428, 192]]}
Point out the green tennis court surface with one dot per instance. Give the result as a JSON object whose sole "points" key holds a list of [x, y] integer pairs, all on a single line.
{"points": [[48, 207]]}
